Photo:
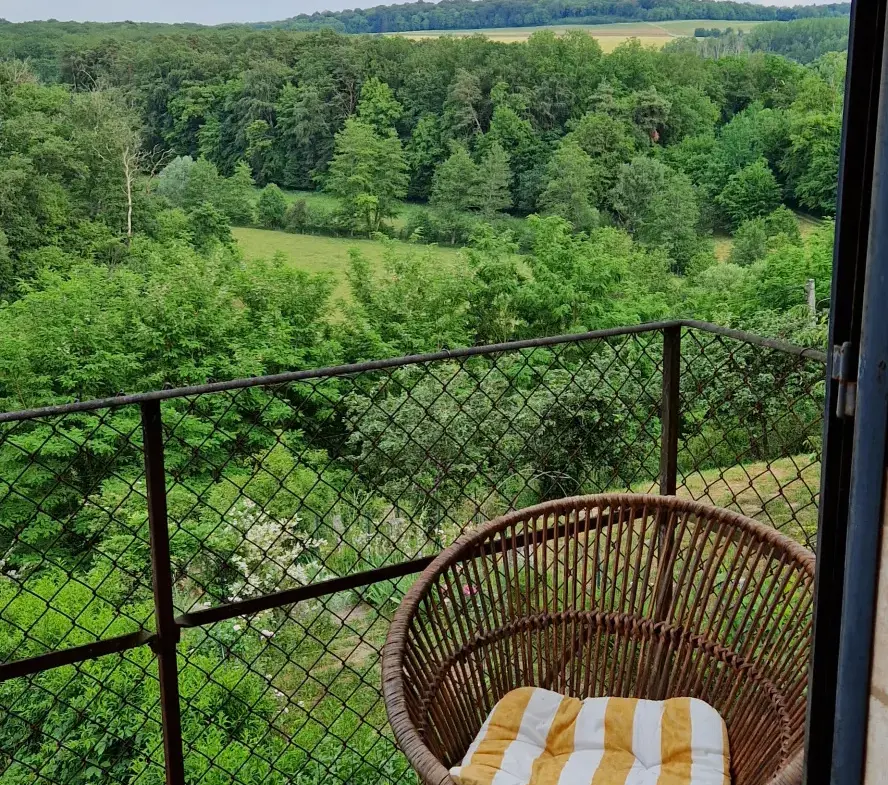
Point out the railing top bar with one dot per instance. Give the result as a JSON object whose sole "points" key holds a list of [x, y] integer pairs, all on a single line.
{"points": [[88, 651], [398, 362], [337, 370], [757, 340]]}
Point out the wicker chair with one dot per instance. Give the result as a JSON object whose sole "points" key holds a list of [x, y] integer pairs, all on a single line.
{"points": [[620, 595]]}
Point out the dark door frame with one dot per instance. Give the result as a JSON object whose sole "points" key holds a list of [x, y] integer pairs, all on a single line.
{"points": [[839, 682]]}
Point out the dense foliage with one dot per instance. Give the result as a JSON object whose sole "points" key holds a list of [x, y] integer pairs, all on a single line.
{"points": [[299, 110], [804, 39]]}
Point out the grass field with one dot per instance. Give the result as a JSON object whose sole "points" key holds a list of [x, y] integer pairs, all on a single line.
{"points": [[317, 254], [783, 494], [609, 36]]}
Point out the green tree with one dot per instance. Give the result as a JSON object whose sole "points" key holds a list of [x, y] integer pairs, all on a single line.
{"points": [[272, 207], [368, 174], [413, 304], [750, 242], [515, 135], [755, 237], [753, 134], [609, 143], [378, 106], [783, 221], [465, 110], [452, 184], [236, 198], [777, 282], [173, 180], [491, 192], [648, 112], [7, 270], [752, 192], [307, 117], [691, 113], [494, 297], [203, 184], [576, 279], [296, 216], [424, 152], [569, 177], [658, 207], [259, 150], [811, 163], [187, 183]]}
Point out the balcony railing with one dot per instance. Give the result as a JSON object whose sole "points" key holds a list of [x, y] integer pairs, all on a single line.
{"points": [[196, 583]]}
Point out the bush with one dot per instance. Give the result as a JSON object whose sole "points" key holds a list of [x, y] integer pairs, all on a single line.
{"points": [[172, 224], [208, 224], [272, 207], [449, 227], [757, 236], [323, 220], [750, 243], [307, 217], [296, 216]]}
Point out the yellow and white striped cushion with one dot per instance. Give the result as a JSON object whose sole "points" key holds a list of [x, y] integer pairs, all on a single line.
{"points": [[538, 737]]}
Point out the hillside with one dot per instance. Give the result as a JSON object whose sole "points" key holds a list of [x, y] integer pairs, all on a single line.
{"points": [[483, 14]]}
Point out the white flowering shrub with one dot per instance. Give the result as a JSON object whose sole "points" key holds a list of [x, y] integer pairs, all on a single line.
{"points": [[250, 552]]}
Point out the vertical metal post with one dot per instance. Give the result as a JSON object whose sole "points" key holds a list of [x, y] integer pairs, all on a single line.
{"points": [[669, 413], [167, 629]]}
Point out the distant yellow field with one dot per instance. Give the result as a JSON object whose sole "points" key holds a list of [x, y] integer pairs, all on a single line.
{"points": [[609, 36]]}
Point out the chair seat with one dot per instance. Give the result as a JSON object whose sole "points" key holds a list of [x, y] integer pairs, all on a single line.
{"points": [[535, 736]]}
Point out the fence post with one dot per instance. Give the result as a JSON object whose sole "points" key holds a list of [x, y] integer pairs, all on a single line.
{"points": [[167, 630], [669, 413]]}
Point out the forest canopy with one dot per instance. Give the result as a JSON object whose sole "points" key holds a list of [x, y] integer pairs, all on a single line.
{"points": [[635, 157]]}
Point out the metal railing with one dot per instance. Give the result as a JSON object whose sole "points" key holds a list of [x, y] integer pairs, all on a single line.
{"points": [[196, 582]]}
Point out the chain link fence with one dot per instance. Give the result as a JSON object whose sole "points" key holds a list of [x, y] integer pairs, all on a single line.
{"points": [[196, 584]]}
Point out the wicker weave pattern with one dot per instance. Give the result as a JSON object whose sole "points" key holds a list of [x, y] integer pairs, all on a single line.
{"points": [[624, 595]]}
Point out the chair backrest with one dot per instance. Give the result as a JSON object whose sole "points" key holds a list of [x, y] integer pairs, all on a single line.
{"points": [[629, 595]]}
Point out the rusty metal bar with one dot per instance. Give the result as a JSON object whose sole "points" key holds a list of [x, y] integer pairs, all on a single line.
{"points": [[669, 411], [88, 651], [301, 593], [398, 362], [755, 340], [669, 431], [337, 370], [165, 644]]}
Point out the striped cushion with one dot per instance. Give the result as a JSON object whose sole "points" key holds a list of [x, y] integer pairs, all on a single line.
{"points": [[537, 737]]}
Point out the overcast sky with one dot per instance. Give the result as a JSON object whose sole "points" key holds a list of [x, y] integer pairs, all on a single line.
{"points": [[203, 11]]}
